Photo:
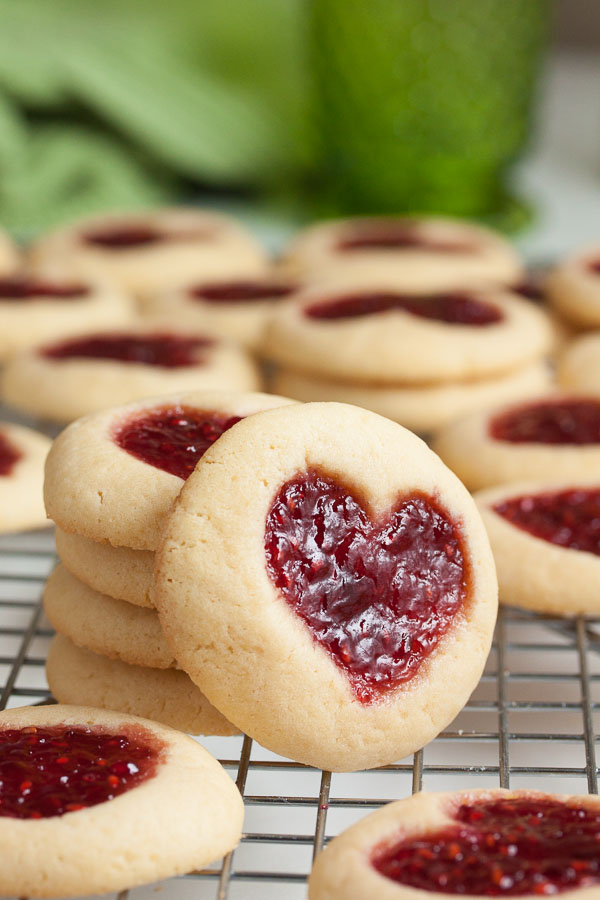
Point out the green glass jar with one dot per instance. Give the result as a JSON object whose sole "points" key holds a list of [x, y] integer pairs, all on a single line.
{"points": [[422, 105]]}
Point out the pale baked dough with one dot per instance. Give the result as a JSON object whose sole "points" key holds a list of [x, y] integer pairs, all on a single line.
{"points": [[79, 676], [21, 502], [480, 461], [185, 816], [579, 365], [344, 869], [10, 257], [422, 408], [104, 625], [493, 259], [395, 347], [96, 489], [116, 571], [534, 573], [26, 323], [61, 390], [236, 636], [202, 244], [574, 290]]}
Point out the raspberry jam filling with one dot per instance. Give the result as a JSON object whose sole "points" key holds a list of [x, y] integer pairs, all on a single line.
{"points": [[173, 439], [454, 309], [9, 455], [378, 597], [594, 266], [510, 846], [400, 236], [530, 288], [130, 236], [241, 291], [49, 771], [549, 422], [568, 518], [167, 351], [35, 289]]}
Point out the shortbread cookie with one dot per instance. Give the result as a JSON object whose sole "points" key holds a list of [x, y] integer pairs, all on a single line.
{"points": [[323, 578], [422, 408], [374, 332], [579, 366], [546, 543], [152, 251], [114, 476], [104, 625], [79, 676], [116, 571], [573, 288], [90, 372], [94, 801], [554, 438], [35, 310], [22, 455], [418, 253], [478, 843]]}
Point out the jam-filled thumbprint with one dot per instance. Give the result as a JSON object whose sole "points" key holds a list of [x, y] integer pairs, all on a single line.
{"points": [[164, 350], [400, 236], [568, 518], [456, 308], [9, 455], [565, 421], [23, 288], [241, 291]]}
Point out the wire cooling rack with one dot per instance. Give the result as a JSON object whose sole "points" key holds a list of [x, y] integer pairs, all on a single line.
{"points": [[530, 723]]}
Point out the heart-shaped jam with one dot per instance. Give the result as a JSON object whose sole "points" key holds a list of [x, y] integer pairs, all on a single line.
{"points": [[14, 289], [400, 236], [174, 438], [549, 422], [504, 847], [168, 351], [378, 597], [568, 518], [52, 770], [241, 291], [9, 455], [454, 308]]}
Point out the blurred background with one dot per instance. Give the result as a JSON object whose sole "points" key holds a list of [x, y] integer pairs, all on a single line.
{"points": [[290, 109]]}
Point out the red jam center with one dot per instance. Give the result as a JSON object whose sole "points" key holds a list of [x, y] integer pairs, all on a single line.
{"points": [[58, 769], [123, 237], [400, 236], [454, 309], [594, 267], [165, 350], [569, 518], [34, 289], [549, 422], [173, 439], [9, 455], [241, 291], [504, 847], [377, 596], [530, 288]]}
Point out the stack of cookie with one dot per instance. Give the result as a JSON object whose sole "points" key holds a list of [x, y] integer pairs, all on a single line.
{"points": [[111, 479]]}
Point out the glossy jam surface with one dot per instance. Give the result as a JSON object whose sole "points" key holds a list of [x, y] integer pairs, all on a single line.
{"points": [[568, 518], [509, 846], [453, 309], [123, 237], [241, 291], [173, 439], [167, 351], [549, 422], [400, 236], [9, 455], [15, 289], [378, 596], [53, 770]]}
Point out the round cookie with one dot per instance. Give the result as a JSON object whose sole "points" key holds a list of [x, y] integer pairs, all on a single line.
{"points": [[553, 438], [96, 488], [473, 843], [79, 676], [265, 585], [375, 333], [22, 455], [35, 310], [104, 625], [10, 258], [116, 571], [97, 829], [546, 544], [573, 288], [151, 251], [83, 374], [238, 309], [424, 253], [421, 408], [579, 365]]}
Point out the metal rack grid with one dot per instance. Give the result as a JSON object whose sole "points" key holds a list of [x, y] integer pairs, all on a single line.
{"points": [[530, 722]]}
